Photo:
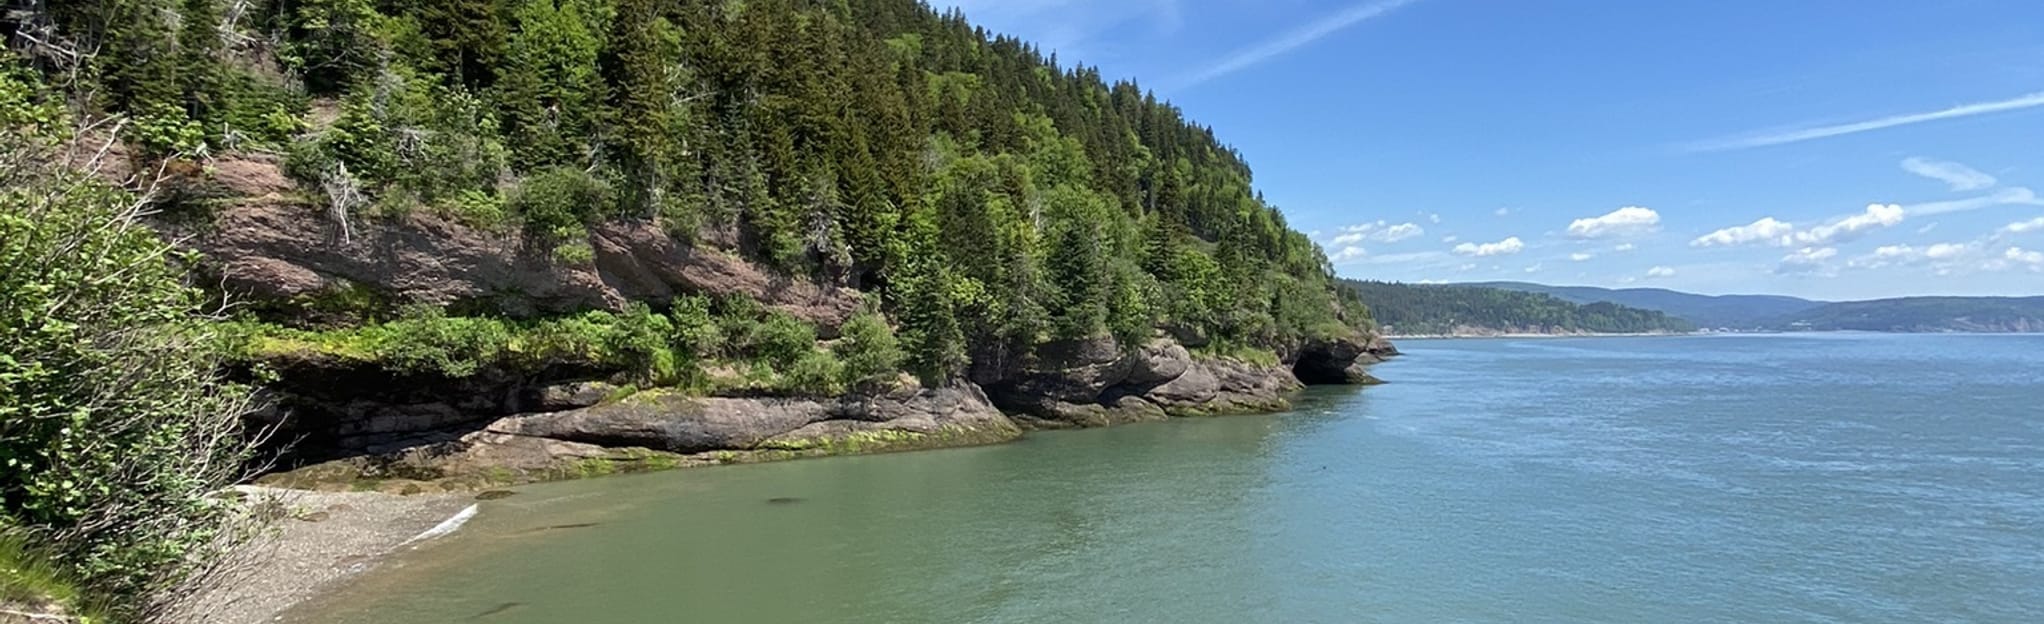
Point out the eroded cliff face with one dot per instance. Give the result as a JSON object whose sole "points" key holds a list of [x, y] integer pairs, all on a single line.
{"points": [[273, 248], [346, 423]]}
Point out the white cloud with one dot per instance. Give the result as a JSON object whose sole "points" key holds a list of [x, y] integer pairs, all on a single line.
{"points": [[1779, 233], [2014, 195], [1450, 238], [1806, 260], [1503, 211], [1504, 247], [1946, 251], [1849, 228], [1819, 132], [1404, 258], [1625, 247], [1581, 256], [1380, 231], [1661, 271], [1295, 39], [1927, 228], [1351, 252], [2024, 227], [1766, 229], [1627, 221], [1434, 218], [2032, 259], [1466, 268], [1534, 269], [1946, 257], [1955, 175]]}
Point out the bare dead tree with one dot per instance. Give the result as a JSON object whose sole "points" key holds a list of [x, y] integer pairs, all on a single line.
{"points": [[344, 195]]}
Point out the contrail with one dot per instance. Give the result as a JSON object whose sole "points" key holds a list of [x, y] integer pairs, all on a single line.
{"points": [[1293, 40], [1794, 136]]}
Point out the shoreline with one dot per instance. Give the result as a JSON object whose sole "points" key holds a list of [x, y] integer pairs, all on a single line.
{"points": [[1519, 335], [324, 539], [328, 538]]}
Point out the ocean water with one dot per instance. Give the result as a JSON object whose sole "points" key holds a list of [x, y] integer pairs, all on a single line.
{"points": [[1821, 478]]}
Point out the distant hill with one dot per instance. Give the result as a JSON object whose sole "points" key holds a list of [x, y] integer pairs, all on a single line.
{"points": [[1774, 312], [1710, 311], [1422, 309], [1926, 314]]}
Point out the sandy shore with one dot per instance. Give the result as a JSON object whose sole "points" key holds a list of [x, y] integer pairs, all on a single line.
{"points": [[328, 537]]}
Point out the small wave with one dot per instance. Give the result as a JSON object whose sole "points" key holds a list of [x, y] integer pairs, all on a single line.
{"points": [[445, 527]]}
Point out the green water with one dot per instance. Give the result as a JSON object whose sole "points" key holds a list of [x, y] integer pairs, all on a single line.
{"points": [[1708, 479]]}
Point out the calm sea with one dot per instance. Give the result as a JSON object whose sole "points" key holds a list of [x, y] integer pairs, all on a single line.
{"points": [[1825, 478]]}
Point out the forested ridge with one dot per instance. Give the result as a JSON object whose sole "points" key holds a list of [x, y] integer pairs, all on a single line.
{"points": [[1429, 309], [979, 199], [990, 195]]}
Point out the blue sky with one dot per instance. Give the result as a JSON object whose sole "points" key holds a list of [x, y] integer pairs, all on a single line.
{"points": [[1821, 148]]}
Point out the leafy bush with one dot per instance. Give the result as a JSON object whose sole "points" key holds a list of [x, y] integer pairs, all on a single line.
{"points": [[696, 332], [814, 373], [639, 343], [782, 340], [868, 349], [560, 201], [427, 341], [117, 424], [574, 252]]}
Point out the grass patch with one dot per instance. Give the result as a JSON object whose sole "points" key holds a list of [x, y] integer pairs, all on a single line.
{"points": [[29, 578]]}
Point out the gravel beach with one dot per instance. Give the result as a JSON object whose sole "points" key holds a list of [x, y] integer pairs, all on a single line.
{"points": [[329, 537]]}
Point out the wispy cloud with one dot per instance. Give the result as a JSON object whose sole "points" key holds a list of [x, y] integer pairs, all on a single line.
{"points": [[2025, 227], [1959, 177], [1319, 29], [2011, 196], [2032, 100]]}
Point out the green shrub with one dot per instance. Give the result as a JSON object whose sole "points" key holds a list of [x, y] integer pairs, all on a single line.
{"points": [[478, 209], [577, 252], [581, 339], [868, 349], [814, 373], [782, 340], [163, 129], [426, 341], [639, 344], [117, 421], [560, 201], [696, 331]]}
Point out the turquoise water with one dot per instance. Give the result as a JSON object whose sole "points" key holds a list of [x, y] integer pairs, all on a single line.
{"points": [[1834, 478]]}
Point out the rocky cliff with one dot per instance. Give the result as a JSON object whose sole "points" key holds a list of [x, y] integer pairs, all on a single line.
{"points": [[344, 422], [426, 433]]}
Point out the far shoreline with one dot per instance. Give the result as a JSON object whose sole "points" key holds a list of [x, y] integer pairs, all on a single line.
{"points": [[1478, 336]]}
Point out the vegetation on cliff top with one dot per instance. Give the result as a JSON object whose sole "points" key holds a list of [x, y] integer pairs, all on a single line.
{"points": [[728, 346], [1422, 309], [991, 197]]}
